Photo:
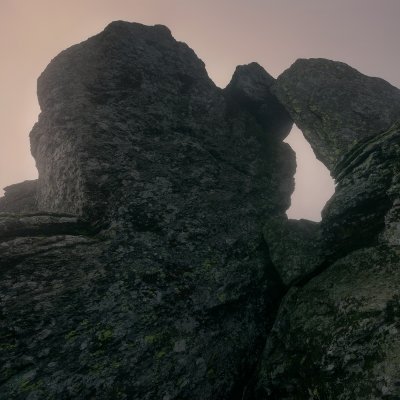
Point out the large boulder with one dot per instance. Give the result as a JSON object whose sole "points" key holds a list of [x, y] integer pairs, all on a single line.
{"points": [[336, 106], [145, 276]]}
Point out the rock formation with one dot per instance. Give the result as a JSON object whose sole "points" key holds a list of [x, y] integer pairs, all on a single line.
{"points": [[143, 273], [336, 335], [150, 258], [336, 106], [20, 197]]}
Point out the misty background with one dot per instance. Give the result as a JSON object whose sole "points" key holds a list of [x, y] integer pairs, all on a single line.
{"points": [[223, 33]]}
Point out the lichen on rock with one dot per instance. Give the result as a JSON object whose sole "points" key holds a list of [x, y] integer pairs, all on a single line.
{"points": [[145, 274], [336, 334], [335, 105], [149, 259]]}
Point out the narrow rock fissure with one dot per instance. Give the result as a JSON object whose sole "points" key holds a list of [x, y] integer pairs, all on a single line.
{"points": [[248, 387]]}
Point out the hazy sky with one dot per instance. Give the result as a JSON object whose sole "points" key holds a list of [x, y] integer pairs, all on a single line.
{"points": [[223, 33]]}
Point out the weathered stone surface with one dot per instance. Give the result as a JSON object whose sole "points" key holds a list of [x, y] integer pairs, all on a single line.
{"points": [[170, 292], [145, 274], [12, 225], [294, 247], [366, 190], [20, 197], [251, 88], [337, 338], [336, 106]]}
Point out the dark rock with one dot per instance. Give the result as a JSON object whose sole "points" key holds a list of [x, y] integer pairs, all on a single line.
{"points": [[336, 336], [167, 291], [294, 247], [336, 106], [250, 87], [20, 197], [13, 225], [366, 190], [146, 276]]}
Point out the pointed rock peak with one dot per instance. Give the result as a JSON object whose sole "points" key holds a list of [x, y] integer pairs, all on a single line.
{"points": [[335, 105], [252, 80], [250, 88]]}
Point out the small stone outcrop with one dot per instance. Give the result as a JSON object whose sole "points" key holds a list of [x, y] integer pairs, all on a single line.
{"points": [[20, 197]]}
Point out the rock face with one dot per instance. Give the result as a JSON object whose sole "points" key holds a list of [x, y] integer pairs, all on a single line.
{"points": [[294, 246], [251, 88], [150, 258], [336, 334], [336, 106], [144, 275]]}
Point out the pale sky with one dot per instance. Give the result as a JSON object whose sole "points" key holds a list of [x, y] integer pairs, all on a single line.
{"points": [[223, 33]]}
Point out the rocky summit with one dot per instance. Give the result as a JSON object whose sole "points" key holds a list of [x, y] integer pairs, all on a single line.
{"points": [[153, 260]]}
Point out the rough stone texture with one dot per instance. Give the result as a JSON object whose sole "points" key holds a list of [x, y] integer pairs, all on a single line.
{"points": [[88, 151], [146, 276], [39, 237], [12, 225], [20, 197], [336, 106], [251, 88], [367, 188], [294, 247], [167, 290], [336, 337]]}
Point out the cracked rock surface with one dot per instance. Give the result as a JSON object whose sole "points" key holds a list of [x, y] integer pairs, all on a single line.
{"points": [[336, 336], [336, 106], [143, 273], [152, 259]]}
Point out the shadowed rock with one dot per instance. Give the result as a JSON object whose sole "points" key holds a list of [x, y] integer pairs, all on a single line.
{"points": [[336, 335], [13, 225], [294, 247], [168, 292], [146, 276], [20, 197], [336, 106], [250, 87]]}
